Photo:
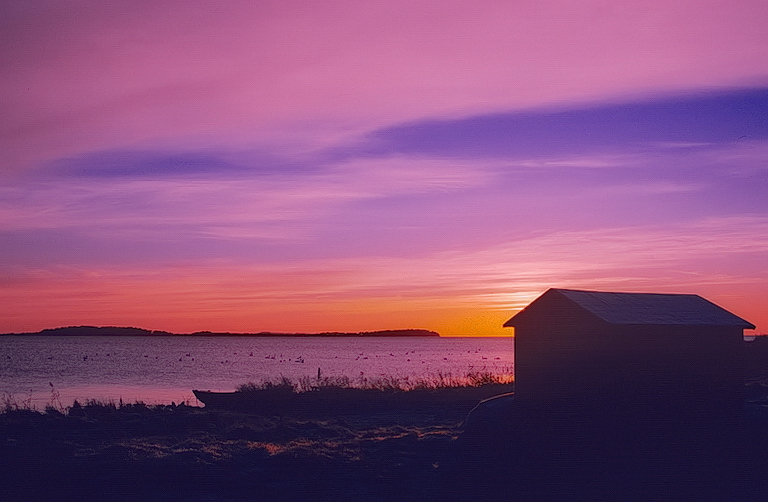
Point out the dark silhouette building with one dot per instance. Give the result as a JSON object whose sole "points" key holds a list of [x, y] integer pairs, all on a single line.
{"points": [[618, 396], [627, 352]]}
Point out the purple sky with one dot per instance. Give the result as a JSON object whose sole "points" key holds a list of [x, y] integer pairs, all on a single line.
{"points": [[297, 166]]}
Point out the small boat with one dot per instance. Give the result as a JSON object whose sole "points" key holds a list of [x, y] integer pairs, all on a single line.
{"points": [[221, 399], [265, 401]]}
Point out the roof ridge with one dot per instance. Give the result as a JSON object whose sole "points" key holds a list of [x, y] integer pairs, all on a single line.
{"points": [[661, 309], [625, 292]]}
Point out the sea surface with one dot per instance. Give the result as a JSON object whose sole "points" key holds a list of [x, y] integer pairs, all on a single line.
{"points": [[41, 370]]}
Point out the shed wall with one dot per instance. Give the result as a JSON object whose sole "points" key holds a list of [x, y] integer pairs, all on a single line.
{"points": [[556, 343], [567, 358]]}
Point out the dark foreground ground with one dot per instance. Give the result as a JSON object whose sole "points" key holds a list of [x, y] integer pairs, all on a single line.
{"points": [[356, 450], [362, 452]]}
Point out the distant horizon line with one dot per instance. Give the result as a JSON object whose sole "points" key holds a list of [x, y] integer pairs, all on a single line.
{"points": [[90, 330]]}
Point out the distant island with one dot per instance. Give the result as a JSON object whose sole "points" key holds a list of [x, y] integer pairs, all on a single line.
{"points": [[125, 331]]}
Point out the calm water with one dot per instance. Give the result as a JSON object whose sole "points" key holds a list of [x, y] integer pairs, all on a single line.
{"points": [[165, 369]]}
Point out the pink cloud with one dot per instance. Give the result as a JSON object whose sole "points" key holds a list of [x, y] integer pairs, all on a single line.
{"points": [[88, 75], [719, 258]]}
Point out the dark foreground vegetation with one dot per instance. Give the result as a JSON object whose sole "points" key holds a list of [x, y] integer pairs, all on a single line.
{"points": [[348, 444], [382, 443]]}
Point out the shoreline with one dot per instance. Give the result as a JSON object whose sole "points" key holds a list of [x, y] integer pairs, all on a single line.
{"points": [[336, 449], [380, 445], [345, 444]]}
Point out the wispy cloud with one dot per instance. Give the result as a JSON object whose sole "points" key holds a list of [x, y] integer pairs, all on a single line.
{"points": [[407, 199], [684, 120], [710, 255], [193, 74], [143, 204], [340, 164]]}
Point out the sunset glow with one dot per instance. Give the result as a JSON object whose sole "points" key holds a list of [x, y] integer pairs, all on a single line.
{"points": [[349, 166]]}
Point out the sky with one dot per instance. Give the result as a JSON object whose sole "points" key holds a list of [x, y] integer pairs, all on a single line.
{"points": [[298, 166]]}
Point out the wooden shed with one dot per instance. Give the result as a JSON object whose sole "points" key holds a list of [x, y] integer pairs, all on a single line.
{"points": [[628, 351]]}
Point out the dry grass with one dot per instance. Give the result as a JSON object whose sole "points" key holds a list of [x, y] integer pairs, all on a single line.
{"points": [[331, 449], [387, 383], [332, 440], [445, 395]]}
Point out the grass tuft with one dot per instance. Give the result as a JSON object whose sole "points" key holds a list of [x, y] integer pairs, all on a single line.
{"points": [[440, 380]]}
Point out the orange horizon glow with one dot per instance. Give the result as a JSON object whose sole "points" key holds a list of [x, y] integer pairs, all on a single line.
{"points": [[243, 303]]}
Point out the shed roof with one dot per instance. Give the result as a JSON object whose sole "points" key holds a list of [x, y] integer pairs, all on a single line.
{"points": [[650, 309]]}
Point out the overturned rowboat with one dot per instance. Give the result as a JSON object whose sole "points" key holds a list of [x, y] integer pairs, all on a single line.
{"points": [[220, 399]]}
